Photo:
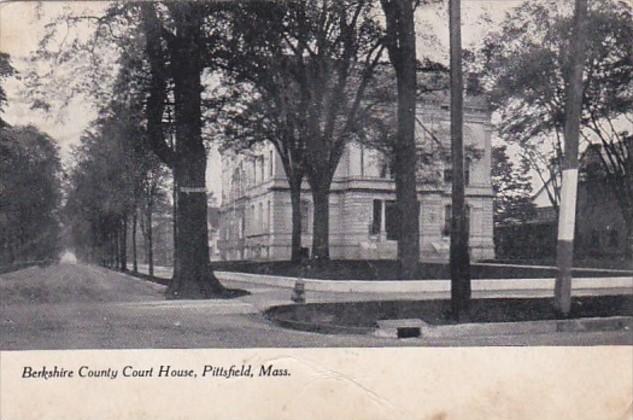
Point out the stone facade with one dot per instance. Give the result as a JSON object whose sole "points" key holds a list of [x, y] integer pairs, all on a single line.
{"points": [[255, 216]]}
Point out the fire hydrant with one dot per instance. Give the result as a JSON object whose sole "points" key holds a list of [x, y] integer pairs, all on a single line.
{"points": [[299, 291]]}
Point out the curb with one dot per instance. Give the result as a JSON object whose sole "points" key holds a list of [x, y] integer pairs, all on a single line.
{"points": [[389, 328], [315, 327], [412, 286]]}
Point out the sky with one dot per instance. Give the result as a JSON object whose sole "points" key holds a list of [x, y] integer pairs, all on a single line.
{"points": [[22, 26]]}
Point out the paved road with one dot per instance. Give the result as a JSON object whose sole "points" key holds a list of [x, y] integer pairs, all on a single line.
{"points": [[76, 306]]}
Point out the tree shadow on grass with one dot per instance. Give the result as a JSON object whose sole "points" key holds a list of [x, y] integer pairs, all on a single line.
{"points": [[225, 294]]}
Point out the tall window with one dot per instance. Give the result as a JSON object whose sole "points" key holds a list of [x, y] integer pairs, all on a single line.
{"points": [[262, 169], [448, 173], [269, 223], [260, 217], [392, 220], [377, 217], [448, 212], [467, 163], [271, 160], [251, 220], [386, 171]]}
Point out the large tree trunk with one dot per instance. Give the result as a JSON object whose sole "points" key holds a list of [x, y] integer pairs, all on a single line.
{"points": [[295, 200], [405, 156], [134, 256], [459, 255], [321, 221], [193, 277], [401, 48]]}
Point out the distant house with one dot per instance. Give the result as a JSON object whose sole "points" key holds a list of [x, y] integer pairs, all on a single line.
{"points": [[255, 216], [600, 228]]}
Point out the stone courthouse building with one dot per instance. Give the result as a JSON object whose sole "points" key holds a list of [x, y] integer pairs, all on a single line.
{"points": [[256, 217]]}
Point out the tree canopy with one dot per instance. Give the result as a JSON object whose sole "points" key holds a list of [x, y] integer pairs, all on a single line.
{"points": [[314, 61], [526, 63], [30, 193], [512, 187], [6, 70]]}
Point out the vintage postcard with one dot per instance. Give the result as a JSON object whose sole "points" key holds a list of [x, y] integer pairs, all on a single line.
{"points": [[363, 209]]}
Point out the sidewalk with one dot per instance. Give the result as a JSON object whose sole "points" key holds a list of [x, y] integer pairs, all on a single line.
{"points": [[582, 286], [269, 291]]}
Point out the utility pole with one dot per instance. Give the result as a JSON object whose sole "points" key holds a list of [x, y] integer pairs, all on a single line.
{"points": [[459, 258], [573, 110]]}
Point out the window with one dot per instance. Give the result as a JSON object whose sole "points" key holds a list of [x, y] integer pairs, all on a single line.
{"points": [[262, 169], [251, 220], [271, 161], [467, 164], [305, 216], [468, 219], [386, 171], [392, 220], [241, 228], [377, 217], [448, 213], [448, 173], [260, 217], [269, 222]]}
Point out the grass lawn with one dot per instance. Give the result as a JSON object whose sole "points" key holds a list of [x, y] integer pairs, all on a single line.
{"points": [[386, 270], [363, 315]]}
